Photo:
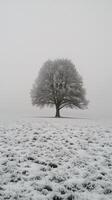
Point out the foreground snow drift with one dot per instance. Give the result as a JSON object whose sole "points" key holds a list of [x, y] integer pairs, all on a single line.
{"points": [[55, 159]]}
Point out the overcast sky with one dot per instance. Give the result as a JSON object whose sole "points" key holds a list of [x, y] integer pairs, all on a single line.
{"points": [[32, 31]]}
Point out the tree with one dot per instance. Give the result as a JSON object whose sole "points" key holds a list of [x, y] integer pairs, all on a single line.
{"points": [[59, 84]]}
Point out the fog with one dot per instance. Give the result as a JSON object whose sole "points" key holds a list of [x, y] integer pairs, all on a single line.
{"points": [[32, 31]]}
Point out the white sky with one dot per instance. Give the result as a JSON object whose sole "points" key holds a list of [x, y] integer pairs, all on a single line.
{"points": [[32, 31]]}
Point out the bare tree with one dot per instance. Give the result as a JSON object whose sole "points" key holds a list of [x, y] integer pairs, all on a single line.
{"points": [[59, 84]]}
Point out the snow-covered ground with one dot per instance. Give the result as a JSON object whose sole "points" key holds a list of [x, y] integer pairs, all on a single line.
{"points": [[55, 159]]}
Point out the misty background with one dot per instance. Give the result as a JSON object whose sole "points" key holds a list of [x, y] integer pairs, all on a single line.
{"points": [[32, 31]]}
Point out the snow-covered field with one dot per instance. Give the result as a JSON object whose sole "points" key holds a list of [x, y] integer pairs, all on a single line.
{"points": [[55, 159]]}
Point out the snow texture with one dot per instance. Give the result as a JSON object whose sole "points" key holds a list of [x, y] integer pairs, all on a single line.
{"points": [[55, 159]]}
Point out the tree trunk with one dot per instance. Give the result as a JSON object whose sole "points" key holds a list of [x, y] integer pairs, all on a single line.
{"points": [[57, 112]]}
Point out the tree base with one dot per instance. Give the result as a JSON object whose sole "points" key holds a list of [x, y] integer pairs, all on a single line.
{"points": [[57, 116], [57, 113]]}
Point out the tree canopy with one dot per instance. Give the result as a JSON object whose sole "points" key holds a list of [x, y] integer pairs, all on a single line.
{"points": [[59, 84]]}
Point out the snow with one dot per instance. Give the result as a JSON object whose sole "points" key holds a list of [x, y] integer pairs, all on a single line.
{"points": [[55, 159]]}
